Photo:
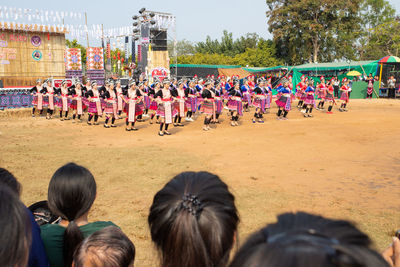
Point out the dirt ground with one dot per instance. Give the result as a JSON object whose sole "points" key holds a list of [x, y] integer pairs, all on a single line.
{"points": [[345, 165]]}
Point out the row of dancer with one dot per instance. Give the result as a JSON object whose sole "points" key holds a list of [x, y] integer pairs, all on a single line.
{"points": [[171, 101]]}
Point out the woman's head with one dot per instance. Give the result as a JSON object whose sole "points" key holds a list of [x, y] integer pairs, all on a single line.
{"points": [[8, 179], [15, 233], [71, 193], [302, 240], [193, 221], [108, 247]]}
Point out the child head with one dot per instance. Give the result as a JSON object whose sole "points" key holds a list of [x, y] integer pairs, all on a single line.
{"points": [[108, 247], [193, 221]]}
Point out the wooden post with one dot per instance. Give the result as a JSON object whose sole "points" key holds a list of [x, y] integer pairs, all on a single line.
{"points": [[380, 76], [87, 30]]}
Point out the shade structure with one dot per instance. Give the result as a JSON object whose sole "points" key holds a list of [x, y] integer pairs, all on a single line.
{"points": [[389, 59], [353, 73]]}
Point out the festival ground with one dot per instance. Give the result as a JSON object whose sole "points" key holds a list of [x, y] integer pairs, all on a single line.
{"points": [[345, 165]]}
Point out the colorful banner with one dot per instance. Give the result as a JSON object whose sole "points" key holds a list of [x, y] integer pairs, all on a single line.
{"points": [[73, 59], [95, 60]]}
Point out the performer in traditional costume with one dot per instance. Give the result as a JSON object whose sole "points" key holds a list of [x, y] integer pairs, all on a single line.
{"points": [[165, 107], [260, 100], [63, 100], [111, 107], [329, 96], [268, 88], [309, 100], [344, 96], [95, 110], [208, 106], [120, 95], [153, 101], [370, 88], [133, 96], [321, 92], [235, 104], [37, 102], [140, 103], [284, 100], [146, 97], [218, 101], [48, 98], [77, 93], [246, 95], [300, 88], [191, 101], [179, 104]]}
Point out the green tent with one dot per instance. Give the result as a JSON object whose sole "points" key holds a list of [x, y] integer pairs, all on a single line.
{"points": [[263, 69], [337, 69]]}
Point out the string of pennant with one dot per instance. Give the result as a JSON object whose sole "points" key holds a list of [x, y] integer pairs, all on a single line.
{"points": [[65, 21], [44, 16]]}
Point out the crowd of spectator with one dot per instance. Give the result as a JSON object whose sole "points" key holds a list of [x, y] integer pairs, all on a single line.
{"points": [[193, 222]]}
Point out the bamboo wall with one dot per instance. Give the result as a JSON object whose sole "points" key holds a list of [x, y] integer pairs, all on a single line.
{"points": [[17, 64]]}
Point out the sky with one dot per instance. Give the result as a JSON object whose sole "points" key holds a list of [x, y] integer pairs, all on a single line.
{"points": [[195, 19]]}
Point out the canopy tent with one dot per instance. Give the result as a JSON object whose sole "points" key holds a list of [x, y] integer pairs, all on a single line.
{"points": [[389, 66], [263, 69], [365, 67]]}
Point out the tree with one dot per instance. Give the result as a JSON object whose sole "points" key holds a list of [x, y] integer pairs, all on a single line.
{"points": [[262, 56], [313, 30], [183, 47], [384, 40], [375, 15], [227, 45]]}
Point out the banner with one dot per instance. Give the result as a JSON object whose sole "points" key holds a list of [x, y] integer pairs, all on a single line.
{"points": [[126, 49], [73, 59], [95, 59]]}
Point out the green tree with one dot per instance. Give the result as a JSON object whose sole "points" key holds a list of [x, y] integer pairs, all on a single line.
{"points": [[183, 47], [228, 46], [384, 40], [262, 56], [377, 17], [313, 30]]}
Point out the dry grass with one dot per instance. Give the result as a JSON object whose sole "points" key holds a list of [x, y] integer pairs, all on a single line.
{"points": [[345, 165]]}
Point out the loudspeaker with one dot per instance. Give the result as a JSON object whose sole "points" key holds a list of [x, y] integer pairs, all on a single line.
{"points": [[158, 40]]}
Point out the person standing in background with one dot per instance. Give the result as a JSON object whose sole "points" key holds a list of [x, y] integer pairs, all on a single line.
{"points": [[336, 84], [391, 84], [370, 81]]}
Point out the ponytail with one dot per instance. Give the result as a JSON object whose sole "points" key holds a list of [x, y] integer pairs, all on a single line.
{"points": [[72, 191], [72, 239]]}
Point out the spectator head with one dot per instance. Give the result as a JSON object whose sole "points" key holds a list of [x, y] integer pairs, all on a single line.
{"points": [[72, 191], [7, 178], [15, 233], [193, 221], [302, 240], [108, 247]]}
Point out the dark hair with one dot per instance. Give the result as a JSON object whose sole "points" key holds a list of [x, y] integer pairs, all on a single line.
{"points": [[72, 191], [193, 221], [108, 247], [7, 178], [302, 240], [15, 233]]}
